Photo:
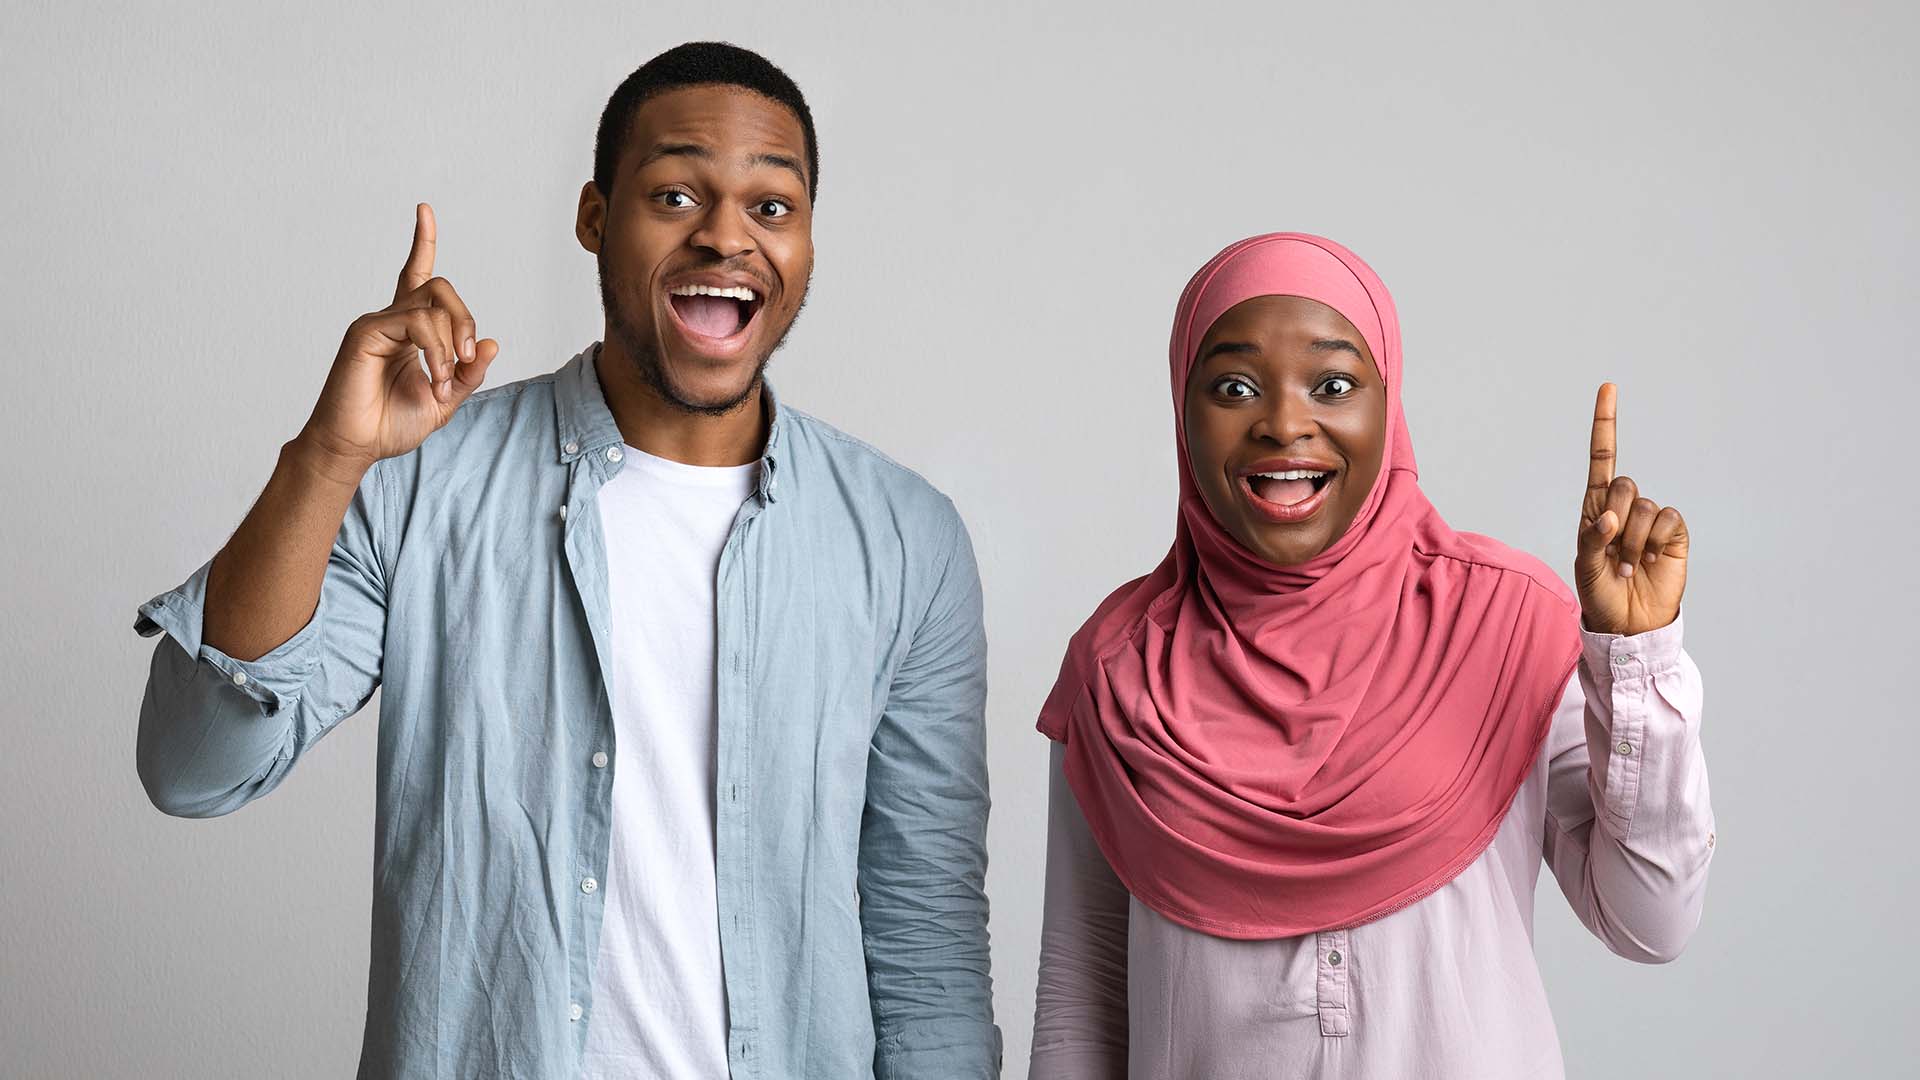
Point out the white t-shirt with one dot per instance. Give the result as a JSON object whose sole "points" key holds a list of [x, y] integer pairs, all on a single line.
{"points": [[659, 1005]]}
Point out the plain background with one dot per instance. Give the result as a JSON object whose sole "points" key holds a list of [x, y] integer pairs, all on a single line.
{"points": [[1710, 204]]}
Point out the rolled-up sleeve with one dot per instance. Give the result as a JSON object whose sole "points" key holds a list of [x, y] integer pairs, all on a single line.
{"points": [[216, 732], [923, 844], [1630, 828]]}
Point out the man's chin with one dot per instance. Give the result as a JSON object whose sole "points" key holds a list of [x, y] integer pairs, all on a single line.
{"points": [[713, 393]]}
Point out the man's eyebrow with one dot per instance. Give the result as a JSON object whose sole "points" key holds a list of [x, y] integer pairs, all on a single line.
{"points": [[1220, 347], [704, 153], [666, 150], [782, 161], [1334, 345]]}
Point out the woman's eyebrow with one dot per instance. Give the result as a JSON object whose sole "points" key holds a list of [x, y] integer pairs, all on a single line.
{"points": [[1335, 344], [1219, 347]]}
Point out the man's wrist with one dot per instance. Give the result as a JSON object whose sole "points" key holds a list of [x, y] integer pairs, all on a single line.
{"points": [[316, 462]]}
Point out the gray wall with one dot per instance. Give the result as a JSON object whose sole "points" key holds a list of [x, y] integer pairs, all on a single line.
{"points": [[1711, 204]]}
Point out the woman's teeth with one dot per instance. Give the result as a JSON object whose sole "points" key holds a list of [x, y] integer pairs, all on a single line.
{"points": [[1286, 487]]}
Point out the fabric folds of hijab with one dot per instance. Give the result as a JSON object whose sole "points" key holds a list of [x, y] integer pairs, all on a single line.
{"points": [[1263, 752]]}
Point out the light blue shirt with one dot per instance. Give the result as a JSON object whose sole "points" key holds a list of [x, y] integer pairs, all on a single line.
{"points": [[469, 582]]}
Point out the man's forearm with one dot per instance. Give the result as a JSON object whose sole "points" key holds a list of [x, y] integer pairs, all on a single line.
{"points": [[265, 583]]}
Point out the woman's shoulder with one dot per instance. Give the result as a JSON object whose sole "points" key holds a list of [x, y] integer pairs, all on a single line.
{"points": [[1478, 550]]}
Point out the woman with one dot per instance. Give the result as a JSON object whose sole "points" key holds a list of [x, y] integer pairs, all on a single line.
{"points": [[1305, 772]]}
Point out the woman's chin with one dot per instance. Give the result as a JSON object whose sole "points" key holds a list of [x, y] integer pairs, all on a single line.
{"points": [[1285, 545]]}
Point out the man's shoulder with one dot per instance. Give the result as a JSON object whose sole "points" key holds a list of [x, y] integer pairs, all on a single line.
{"points": [[508, 413], [499, 432], [863, 470], [500, 404]]}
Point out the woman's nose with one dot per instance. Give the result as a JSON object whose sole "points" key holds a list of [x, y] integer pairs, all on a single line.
{"points": [[1287, 419]]}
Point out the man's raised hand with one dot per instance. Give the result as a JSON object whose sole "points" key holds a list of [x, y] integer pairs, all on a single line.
{"points": [[378, 401]]}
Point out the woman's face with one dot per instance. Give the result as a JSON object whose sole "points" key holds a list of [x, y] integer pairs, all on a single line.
{"points": [[1286, 422]]}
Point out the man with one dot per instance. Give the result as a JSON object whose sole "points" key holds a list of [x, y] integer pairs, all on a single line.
{"points": [[681, 762]]}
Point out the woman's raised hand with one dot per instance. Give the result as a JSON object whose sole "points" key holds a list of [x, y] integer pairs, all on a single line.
{"points": [[1631, 564]]}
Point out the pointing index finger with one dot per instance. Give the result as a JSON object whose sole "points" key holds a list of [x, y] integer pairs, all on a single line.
{"points": [[1600, 458], [419, 267]]}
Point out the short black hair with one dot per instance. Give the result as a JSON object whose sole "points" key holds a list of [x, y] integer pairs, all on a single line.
{"points": [[697, 63]]}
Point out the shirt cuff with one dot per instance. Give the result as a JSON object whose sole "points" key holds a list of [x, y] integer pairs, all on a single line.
{"points": [[1632, 656], [274, 680], [956, 1048]]}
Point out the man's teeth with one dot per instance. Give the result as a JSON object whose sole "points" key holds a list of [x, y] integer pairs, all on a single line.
{"points": [[1293, 474], [733, 292]]}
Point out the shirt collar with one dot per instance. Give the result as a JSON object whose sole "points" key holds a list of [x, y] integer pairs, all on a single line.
{"points": [[585, 424]]}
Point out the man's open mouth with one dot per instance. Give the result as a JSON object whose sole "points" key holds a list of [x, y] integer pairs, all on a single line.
{"points": [[718, 312]]}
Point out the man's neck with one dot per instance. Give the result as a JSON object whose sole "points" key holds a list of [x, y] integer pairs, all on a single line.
{"points": [[650, 423]]}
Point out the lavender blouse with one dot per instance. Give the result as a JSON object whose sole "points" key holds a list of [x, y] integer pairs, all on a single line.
{"points": [[1448, 987]]}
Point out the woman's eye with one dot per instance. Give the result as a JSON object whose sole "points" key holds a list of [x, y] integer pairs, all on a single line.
{"points": [[774, 208], [1234, 388], [1339, 386], [675, 200]]}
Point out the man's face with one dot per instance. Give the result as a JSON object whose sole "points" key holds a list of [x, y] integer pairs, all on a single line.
{"points": [[706, 244]]}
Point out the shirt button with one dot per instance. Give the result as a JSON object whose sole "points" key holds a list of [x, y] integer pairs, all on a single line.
{"points": [[239, 678], [1709, 839], [1622, 660], [589, 885], [1333, 958], [563, 513], [613, 453], [575, 1012], [571, 448], [1623, 747], [599, 759]]}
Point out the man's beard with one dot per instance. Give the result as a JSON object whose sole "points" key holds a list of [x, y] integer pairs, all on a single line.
{"points": [[646, 353]]}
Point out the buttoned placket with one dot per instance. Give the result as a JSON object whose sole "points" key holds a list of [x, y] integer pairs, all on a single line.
{"points": [[1330, 966], [737, 627], [589, 467]]}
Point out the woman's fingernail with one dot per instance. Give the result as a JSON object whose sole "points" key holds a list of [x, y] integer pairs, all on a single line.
{"points": [[466, 349], [1626, 569]]}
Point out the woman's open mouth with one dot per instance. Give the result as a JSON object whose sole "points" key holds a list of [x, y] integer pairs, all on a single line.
{"points": [[716, 320], [1287, 495]]}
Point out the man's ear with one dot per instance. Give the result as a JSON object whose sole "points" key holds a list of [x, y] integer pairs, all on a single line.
{"points": [[590, 223]]}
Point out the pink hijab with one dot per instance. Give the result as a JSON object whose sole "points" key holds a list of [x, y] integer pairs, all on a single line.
{"points": [[1263, 752]]}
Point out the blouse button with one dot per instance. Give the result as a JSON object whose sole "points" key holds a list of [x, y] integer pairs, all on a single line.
{"points": [[1624, 748], [1333, 958]]}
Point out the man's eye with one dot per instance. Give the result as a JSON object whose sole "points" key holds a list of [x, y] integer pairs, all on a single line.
{"points": [[774, 208], [675, 200], [1234, 388]]}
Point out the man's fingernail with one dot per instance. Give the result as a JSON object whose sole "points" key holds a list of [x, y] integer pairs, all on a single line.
{"points": [[466, 348], [1626, 569]]}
